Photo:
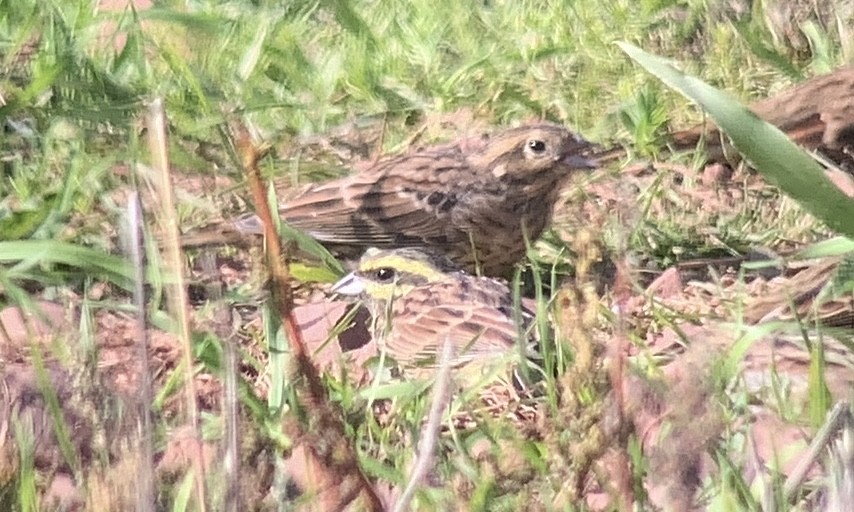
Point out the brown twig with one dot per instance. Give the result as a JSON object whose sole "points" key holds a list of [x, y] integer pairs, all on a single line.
{"points": [[325, 440], [837, 418]]}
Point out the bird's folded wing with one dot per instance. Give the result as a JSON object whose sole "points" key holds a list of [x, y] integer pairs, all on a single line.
{"points": [[370, 210], [475, 331]]}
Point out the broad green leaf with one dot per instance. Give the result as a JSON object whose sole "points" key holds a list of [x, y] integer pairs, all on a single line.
{"points": [[836, 246], [312, 273], [767, 148]]}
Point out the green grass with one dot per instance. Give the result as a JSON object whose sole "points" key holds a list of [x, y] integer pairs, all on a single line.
{"points": [[73, 100]]}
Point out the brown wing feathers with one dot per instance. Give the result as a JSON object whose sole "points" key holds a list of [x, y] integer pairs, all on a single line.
{"points": [[380, 209], [476, 323]]}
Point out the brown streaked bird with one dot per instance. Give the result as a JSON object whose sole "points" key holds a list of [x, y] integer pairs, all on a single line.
{"points": [[419, 300], [474, 203]]}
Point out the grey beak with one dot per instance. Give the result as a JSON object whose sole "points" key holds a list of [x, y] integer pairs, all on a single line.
{"points": [[579, 162], [350, 284]]}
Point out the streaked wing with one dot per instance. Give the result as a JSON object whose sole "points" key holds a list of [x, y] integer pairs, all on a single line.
{"points": [[393, 203], [478, 325]]}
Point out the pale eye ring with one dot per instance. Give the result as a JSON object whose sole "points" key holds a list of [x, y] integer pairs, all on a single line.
{"points": [[384, 274], [536, 145]]}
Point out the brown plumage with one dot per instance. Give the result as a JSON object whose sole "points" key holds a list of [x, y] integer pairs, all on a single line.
{"points": [[419, 300], [467, 201]]}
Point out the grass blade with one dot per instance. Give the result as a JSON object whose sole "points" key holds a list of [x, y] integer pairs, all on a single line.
{"points": [[769, 150]]}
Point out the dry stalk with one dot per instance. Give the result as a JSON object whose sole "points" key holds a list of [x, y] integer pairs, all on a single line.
{"points": [[324, 439], [173, 259]]}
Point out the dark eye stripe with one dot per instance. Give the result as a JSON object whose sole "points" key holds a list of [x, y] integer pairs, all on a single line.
{"points": [[389, 275]]}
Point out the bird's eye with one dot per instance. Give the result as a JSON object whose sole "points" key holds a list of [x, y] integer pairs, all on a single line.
{"points": [[537, 146], [384, 274]]}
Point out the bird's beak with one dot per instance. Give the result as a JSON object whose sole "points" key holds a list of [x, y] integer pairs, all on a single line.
{"points": [[350, 284], [579, 162]]}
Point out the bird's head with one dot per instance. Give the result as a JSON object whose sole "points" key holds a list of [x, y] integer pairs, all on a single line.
{"points": [[531, 150], [384, 274]]}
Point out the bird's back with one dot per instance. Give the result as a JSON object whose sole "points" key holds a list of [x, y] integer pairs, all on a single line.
{"points": [[474, 313]]}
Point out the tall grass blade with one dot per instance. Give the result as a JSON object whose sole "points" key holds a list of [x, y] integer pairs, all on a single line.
{"points": [[769, 150]]}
